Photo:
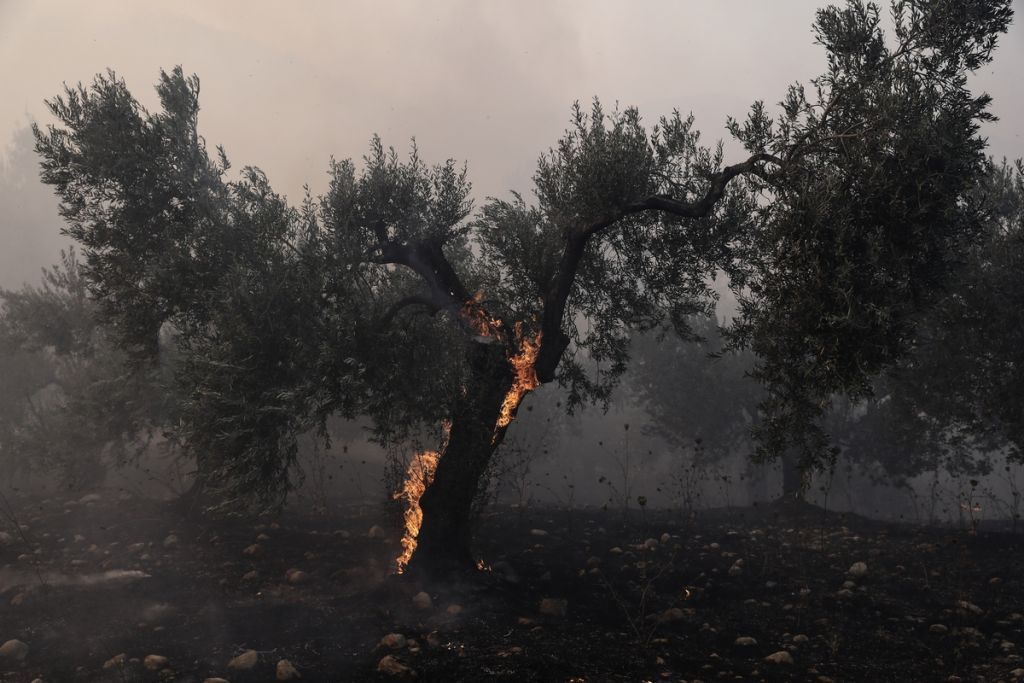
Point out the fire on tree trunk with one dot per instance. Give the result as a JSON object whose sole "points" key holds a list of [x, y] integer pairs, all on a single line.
{"points": [[438, 530]]}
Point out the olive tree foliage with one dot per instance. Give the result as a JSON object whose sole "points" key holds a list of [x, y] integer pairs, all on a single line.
{"points": [[861, 237], [954, 401], [376, 298]]}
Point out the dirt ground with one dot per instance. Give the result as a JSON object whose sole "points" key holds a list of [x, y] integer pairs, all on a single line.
{"points": [[95, 586]]}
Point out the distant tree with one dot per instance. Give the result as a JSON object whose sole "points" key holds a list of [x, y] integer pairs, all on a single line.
{"points": [[382, 299], [694, 391], [78, 408]]}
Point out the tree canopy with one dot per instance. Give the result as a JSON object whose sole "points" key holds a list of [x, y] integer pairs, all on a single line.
{"points": [[388, 297]]}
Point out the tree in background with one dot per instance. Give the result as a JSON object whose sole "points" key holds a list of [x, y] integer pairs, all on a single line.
{"points": [[77, 407], [699, 397], [383, 299]]}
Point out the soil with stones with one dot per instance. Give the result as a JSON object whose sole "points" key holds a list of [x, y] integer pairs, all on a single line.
{"points": [[108, 587]]}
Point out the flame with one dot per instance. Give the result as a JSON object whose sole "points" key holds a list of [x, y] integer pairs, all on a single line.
{"points": [[418, 477], [477, 319], [526, 376]]}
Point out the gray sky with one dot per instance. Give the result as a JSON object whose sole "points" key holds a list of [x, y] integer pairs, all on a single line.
{"points": [[287, 85]]}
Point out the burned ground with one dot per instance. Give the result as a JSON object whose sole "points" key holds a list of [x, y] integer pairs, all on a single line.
{"points": [[763, 593]]}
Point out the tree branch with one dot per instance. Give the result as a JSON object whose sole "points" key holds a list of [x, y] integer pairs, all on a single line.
{"points": [[553, 340]]}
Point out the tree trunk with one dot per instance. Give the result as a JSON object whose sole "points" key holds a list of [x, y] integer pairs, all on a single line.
{"points": [[792, 478], [443, 543]]}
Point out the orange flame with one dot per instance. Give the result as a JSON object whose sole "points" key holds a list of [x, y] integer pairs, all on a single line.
{"points": [[525, 379], [418, 477], [477, 319]]}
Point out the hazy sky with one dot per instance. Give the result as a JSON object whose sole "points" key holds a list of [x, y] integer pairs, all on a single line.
{"points": [[287, 85]]}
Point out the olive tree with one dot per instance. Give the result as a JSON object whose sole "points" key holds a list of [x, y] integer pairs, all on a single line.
{"points": [[389, 297]]}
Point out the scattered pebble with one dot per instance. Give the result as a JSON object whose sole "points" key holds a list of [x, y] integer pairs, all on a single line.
{"points": [[393, 641], [286, 671], [745, 641], [858, 570], [422, 601], [296, 576], [155, 662], [245, 661], [116, 661], [14, 649], [780, 657], [391, 666]]}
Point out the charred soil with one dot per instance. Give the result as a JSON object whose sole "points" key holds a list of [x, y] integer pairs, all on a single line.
{"points": [[763, 593]]}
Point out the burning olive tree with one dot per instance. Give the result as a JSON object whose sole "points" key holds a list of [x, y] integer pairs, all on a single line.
{"points": [[388, 298]]}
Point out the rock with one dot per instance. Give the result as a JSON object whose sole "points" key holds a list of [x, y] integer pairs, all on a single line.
{"points": [[90, 498], [1017, 673], [735, 570], [216, 680], [554, 607], [116, 661], [5, 539], [665, 538], [616, 550], [254, 550], [800, 639], [780, 657], [171, 541], [538, 532], [14, 649], [422, 601], [939, 629], [155, 662], [651, 543], [286, 671], [376, 532], [245, 661], [858, 570], [250, 575], [296, 576], [968, 607], [454, 610], [745, 641], [393, 641], [391, 666]]}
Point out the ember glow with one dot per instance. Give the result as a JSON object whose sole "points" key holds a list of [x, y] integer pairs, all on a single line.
{"points": [[418, 477]]}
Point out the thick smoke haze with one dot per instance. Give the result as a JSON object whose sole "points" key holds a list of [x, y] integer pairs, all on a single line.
{"points": [[287, 87]]}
